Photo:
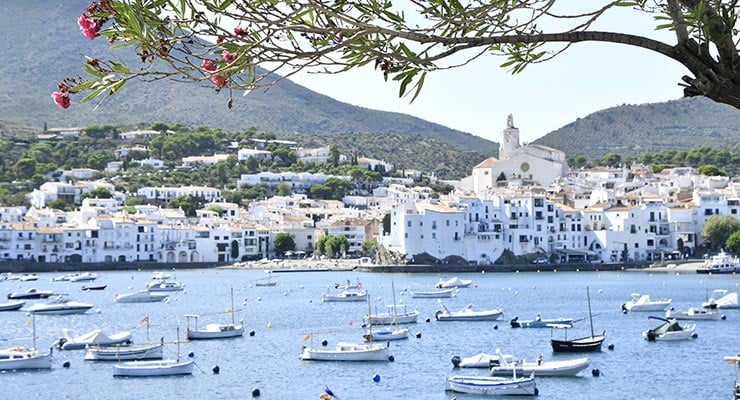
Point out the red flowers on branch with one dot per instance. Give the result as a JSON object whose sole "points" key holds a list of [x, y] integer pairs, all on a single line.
{"points": [[88, 26], [61, 99]]}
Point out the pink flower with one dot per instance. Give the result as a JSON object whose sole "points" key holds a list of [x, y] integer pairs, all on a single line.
{"points": [[228, 57], [88, 26], [61, 99], [208, 65], [240, 31], [219, 81]]}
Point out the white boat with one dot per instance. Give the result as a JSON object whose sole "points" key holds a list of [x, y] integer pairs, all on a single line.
{"points": [[215, 331], [644, 303], [31, 293], [735, 360], [155, 367], [60, 305], [346, 295], [95, 338], [721, 263], [670, 330], [432, 294], [383, 333], [124, 353], [64, 278], [84, 277], [722, 298], [397, 313], [142, 296], [164, 286], [454, 282], [267, 281], [540, 367], [492, 385], [29, 277], [23, 358], [481, 360], [693, 314], [345, 351], [160, 276], [467, 314], [11, 305], [539, 322]]}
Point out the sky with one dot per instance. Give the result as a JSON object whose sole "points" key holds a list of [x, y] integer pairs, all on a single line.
{"points": [[477, 98]]}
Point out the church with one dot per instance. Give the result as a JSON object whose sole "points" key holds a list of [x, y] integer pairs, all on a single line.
{"points": [[531, 164]]}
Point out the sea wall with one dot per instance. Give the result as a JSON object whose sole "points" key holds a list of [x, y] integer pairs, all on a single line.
{"points": [[27, 266]]}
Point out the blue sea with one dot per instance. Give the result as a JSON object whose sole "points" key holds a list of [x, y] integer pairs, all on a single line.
{"points": [[282, 315]]}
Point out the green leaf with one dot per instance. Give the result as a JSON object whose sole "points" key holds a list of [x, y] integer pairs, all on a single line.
{"points": [[119, 67], [116, 86], [89, 69], [82, 87], [93, 94]]}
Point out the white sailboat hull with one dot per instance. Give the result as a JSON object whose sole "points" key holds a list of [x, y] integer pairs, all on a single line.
{"points": [[347, 352], [117, 353], [153, 368]]}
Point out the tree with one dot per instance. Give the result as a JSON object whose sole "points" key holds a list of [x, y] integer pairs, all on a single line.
{"points": [[185, 203], [284, 242], [611, 160], [370, 247], [733, 243], [710, 170], [717, 230], [404, 44], [282, 189], [97, 193]]}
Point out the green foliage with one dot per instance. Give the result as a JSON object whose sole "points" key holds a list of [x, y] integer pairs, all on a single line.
{"points": [[186, 203], [733, 243], [370, 248], [332, 246], [387, 223], [284, 242], [710, 170], [282, 189], [97, 193], [59, 204], [717, 229]]}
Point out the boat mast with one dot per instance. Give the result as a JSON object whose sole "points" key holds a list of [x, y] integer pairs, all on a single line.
{"points": [[590, 318], [395, 311], [232, 306], [33, 319]]}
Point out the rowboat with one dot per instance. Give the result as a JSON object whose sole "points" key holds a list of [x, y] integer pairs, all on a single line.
{"points": [[492, 385]]}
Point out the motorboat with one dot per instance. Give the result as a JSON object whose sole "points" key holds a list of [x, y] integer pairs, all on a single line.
{"points": [[481, 360], [722, 298], [142, 296], [541, 367], [165, 286], [670, 329], [581, 344], [124, 353], [397, 313], [539, 322], [24, 358], [644, 303], [84, 277], [346, 351], [432, 294], [693, 314], [93, 287], [492, 385], [63, 278], [31, 293], [467, 314], [60, 305], [721, 263], [160, 276], [346, 295], [12, 305], [380, 334], [29, 277], [95, 338], [735, 360], [454, 282], [153, 368]]}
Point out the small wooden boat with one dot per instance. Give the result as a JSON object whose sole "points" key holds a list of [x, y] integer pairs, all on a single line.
{"points": [[481, 360], [16, 358], [454, 282], [398, 313], [467, 314], [347, 352], [346, 295], [582, 344], [124, 353], [539, 322], [215, 331], [155, 367], [492, 385], [432, 294], [12, 305]]}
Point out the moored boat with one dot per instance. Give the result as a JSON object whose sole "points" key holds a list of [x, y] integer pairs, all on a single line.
{"points": [[142, 296], [722, 298], [454, 282], [398, 313], [700, 314], [581, 344], [721, 263], [153, 368], [644, 303], [60, 306], [31, 293], [541, 367], [432, 294], [383, 333], [467, 314], [670, 330], [23, 358], [214, 330], [481, 360], [539, 322], [124, 353], [12, 305], [96, 338], [492, 385], [346, 295], [345, 351]]}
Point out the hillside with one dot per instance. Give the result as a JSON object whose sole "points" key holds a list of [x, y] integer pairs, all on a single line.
{"points": [[630, 130], [46, 46]]}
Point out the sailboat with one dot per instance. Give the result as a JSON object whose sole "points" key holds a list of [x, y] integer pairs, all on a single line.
{"points": [[583, 344], [215, 331], [156, 367], [393, 332], [24, 358], [147, 351], [267, 281]]}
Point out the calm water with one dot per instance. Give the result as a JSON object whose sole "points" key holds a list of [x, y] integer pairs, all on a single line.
{"points": [[280, 316]]}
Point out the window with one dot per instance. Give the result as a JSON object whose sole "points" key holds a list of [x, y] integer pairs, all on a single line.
{"points": [[408, 224], [434, 224]]}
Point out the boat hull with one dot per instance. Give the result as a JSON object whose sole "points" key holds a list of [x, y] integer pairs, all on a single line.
{"points": [[435, 294], [153, 368], [492, 385], [12, 360], [217, 332], [581, 345], [12, 305], [369, 352], [491, 315], [142, 297], [381, 335], [117, 353], [388, 319], [540, 323], [547, 368], [60, 310]]}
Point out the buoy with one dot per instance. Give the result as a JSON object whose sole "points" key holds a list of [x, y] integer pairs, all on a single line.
{"points": [[391, 358], [324, 342], [495, 327], [216, 369], [723, 317], [251, 333], [376, 378], [427, 320], [595, 372], [610, 346], [456, 361], [694, 336], [66, 364], [191, 355], [418, 335], [269, 325], [255, 392]]}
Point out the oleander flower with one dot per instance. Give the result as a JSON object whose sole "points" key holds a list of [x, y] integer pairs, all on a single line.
{"points": [[88, 27], [219, 80], [61, 99], [228, 57], [208, 65], [240, 31]]}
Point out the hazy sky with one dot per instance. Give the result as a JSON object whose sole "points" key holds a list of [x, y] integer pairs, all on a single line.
{"points": [[478, 97]]}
